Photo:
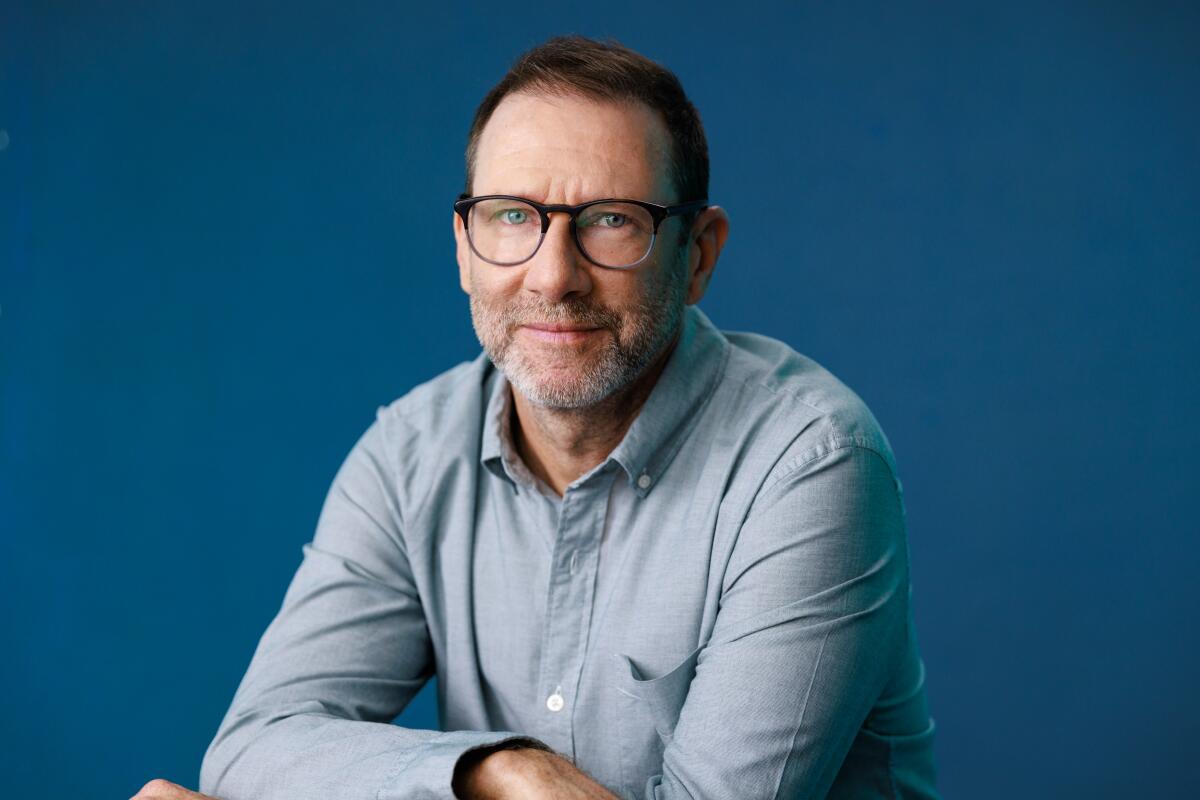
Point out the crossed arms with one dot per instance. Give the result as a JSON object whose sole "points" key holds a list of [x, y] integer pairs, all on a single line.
{"points": [[812, 622]]}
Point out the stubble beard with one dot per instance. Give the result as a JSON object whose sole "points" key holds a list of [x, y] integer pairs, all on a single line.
{"points": [[606, 369]]}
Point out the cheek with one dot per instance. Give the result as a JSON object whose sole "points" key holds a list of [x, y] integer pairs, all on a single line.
{"points": [[496, 284], [493, 310], [652, 291], [632, 291], [488, 294]]}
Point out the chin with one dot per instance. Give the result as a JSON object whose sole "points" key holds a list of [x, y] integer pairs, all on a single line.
{"points": [[562, 394]]}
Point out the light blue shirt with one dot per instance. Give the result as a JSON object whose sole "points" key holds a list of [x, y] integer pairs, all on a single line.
{"points": [[720, 609]]}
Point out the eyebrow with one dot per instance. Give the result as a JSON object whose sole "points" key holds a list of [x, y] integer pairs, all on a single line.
{"points": [[540, 196], [581, 202]]}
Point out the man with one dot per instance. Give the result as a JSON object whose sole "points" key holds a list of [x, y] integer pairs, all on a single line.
{"points": [[644, 557]]}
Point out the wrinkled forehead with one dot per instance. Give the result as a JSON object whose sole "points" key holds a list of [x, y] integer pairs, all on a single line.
{"points": [[571, 148]]}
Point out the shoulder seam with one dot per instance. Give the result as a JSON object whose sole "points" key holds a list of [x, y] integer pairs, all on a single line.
{"points": [[823, 449], [780, 389]]}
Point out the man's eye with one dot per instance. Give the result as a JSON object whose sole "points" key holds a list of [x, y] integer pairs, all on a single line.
{"points": [[513, 216], [609, 219]]}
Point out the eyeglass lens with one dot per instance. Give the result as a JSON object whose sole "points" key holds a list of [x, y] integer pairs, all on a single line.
{"points": [[612, 234]]}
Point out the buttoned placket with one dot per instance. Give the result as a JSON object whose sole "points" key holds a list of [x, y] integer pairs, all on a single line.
{"points": [[569, 599]]}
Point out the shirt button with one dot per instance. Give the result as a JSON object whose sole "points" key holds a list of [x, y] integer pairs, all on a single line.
{"points": [[555, 702], [644, 481]]}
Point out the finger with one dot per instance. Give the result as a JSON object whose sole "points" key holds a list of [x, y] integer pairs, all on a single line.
{"points": [[161, 789], [157, 789]]}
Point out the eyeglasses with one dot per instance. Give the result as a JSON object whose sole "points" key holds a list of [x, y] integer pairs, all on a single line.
{"points": [[506, 230]]}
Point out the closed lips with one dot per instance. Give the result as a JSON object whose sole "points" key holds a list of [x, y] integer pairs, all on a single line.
{"points": [[560, 328]]}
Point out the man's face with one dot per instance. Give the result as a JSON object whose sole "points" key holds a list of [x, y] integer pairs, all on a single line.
{"points": [[571, 150]]}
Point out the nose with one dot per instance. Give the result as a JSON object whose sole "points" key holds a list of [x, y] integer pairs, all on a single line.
{"points": [[558, 269]]}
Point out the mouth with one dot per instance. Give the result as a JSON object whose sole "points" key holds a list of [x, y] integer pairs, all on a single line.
{"points": [[560, 334]]}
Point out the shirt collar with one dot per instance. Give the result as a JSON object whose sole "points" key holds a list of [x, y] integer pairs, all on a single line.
{"points": [[662, 425], [497, 452]]}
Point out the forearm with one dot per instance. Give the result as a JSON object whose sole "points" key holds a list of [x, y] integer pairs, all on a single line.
{"points": [[525, 774]]}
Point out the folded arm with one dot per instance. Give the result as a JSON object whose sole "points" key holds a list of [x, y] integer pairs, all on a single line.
{"points": [[812, 623], [349, 648]]}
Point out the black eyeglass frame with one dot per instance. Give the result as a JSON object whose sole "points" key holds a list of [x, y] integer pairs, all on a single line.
{"points": [[658, 212]]}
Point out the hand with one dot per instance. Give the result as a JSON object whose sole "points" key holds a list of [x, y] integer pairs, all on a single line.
{"points": [[159, 789], [529, 774]]}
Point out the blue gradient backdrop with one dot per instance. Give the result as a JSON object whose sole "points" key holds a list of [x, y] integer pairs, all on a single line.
{"points": [[225, 239]]}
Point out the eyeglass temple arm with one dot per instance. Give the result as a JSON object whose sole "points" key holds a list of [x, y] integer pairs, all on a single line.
{"points": [[683, 207]]}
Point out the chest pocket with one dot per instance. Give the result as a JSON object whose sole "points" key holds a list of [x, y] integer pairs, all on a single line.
{"points": [[663, 696], [649, 707]]}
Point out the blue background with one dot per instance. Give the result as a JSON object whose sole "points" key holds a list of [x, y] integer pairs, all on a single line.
{"points": [[226, 240]]}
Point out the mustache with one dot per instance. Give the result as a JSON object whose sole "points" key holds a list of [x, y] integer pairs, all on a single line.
{"points": [[575, 314]]}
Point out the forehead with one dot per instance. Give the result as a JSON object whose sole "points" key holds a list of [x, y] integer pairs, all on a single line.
{"points": [[570, 149]]}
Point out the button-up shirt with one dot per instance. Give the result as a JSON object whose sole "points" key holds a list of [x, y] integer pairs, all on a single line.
{"points": [[720, 609]]}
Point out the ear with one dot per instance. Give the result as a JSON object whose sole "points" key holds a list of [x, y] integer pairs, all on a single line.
{"points": [[462, 252], [708, 236]]}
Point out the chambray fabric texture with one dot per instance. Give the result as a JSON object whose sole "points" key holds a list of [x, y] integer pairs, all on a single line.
{"points": [[722, 606]]}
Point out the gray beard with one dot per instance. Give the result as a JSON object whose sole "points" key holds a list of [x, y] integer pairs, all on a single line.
{"points": [[616, 367]]}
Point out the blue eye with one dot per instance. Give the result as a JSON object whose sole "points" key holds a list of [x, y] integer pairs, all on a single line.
{"points": [[514, 216], [605, 219]]}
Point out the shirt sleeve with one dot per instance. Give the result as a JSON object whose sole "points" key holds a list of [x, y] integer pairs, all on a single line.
{"points": [[812, 622], [347, 651]]}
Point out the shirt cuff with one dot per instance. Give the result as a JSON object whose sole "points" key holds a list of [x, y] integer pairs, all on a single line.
{"points": [[427, 773]]}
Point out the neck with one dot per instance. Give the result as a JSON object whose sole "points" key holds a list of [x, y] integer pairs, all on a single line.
{"points": [[560, 444]]}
